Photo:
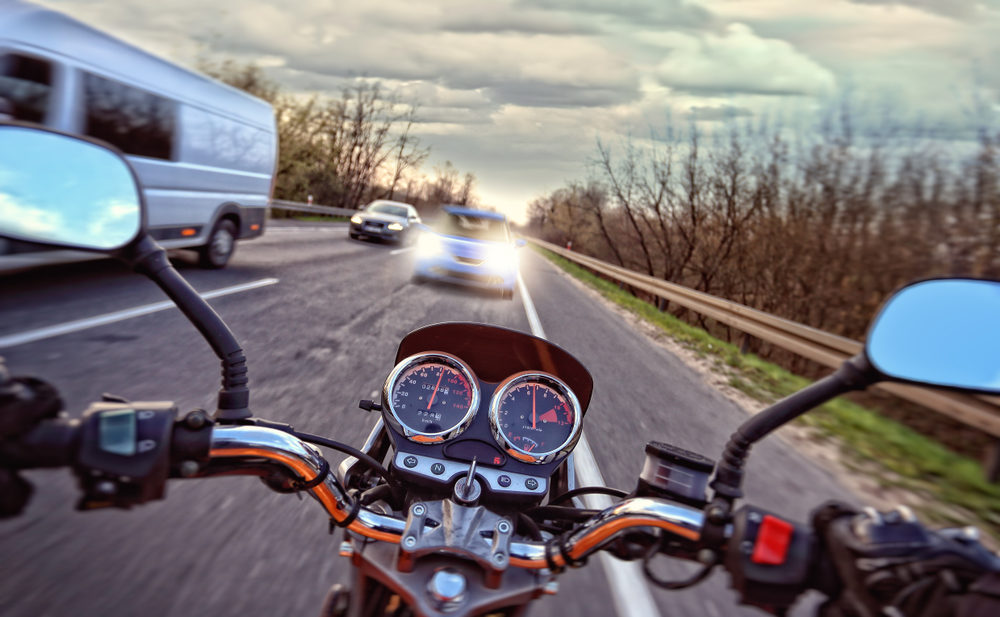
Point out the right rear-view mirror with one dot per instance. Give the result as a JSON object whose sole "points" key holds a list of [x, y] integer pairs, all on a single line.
{"points": [[943, 332], [66, 191]]}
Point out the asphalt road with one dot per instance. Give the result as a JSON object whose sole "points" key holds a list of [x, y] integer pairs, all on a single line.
{"points": [[318, 340]]}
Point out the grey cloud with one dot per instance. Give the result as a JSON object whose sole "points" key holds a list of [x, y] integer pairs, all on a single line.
{"points": [[675, 14], [950, 8], [535, 22], [542, 94], [708, 113], [739, 61]]}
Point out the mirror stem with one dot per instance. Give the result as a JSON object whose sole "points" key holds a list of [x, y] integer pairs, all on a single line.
{"points": [[145, 255], [854, 374]]}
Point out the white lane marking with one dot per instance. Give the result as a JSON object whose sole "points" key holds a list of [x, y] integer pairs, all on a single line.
{"points": [[404, 250], [529, 309], [628, 587], [109, 318]]}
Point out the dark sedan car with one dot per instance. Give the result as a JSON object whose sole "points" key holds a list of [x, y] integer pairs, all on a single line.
{"points": [[386, 220]]}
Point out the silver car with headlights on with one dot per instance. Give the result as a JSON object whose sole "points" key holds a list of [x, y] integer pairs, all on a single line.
{"points": [[386, 220]]}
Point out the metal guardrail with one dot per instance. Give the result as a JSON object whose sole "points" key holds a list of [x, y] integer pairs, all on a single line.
{"points": [[295, 206], [979, 412]]}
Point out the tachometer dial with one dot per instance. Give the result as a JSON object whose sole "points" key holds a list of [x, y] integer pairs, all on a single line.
{"points": [[535, 417], [430, 397]]}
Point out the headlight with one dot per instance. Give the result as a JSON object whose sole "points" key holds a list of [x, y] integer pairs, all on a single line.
{"points": [[395, 227], [501, 255], [356, 219], [428, 244]]}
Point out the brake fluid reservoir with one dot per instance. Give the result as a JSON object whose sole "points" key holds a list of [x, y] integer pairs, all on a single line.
{"points": [[675, 473]]}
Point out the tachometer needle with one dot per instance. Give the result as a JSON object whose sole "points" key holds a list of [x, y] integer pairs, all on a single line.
{"points": [[431, 402], [534, 389]]}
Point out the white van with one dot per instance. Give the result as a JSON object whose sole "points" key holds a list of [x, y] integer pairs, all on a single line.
{"points": [[205, 153]]}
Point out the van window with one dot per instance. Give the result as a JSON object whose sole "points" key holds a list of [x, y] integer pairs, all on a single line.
{"points": [[136, 121], [25, 84]]}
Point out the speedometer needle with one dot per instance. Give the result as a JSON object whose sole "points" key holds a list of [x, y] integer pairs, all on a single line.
{"points": [[534, 389], [431, 402]]}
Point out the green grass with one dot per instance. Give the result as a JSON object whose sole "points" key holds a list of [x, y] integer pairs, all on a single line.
{"points": [[953, 486]]}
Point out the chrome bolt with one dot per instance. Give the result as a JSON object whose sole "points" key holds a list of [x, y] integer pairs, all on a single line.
{"points": [[189, 468], [706, 556], [499, 559], [418, 509], [410, 542], [503, 527], [447, 589]]}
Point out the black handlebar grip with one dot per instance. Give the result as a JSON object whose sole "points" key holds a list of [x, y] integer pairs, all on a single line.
{"points": [[52, 443]]}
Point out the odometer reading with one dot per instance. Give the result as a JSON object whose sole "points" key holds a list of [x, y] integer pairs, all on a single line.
{"points": [[431, 397], [535, 417]]}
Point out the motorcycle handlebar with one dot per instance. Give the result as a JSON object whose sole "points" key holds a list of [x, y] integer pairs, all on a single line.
{"points": [[305, 461]]}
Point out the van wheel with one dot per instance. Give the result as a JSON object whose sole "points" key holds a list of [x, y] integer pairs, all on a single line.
{"points": [[220, 247]]}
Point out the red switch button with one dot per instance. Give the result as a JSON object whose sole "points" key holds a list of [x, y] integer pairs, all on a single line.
{"points": [[773, 539]]}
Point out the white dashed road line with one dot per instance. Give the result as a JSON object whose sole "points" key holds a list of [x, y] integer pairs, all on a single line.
{"points": [[109, 318], [628, 583]]}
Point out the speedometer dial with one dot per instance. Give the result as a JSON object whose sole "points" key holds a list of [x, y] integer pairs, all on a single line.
{"points": [[430, 397], [535, 417]]}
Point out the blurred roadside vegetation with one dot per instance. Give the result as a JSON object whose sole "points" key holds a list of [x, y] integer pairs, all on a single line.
{"points": [[817, 223], [950, 488], [350, 149]]}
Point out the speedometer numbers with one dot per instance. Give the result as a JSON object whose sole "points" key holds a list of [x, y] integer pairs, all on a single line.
{"points": [[535, 417], [432, 397]]}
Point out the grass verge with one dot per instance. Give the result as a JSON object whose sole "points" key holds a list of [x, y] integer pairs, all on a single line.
{"points": [[952, 486]]}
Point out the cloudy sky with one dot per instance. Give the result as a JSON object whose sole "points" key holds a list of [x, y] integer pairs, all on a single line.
{"points": [[518, 90]]}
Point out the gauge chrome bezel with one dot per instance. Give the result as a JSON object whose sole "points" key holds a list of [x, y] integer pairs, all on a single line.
{"points": [[392, 418], [537, 458]]}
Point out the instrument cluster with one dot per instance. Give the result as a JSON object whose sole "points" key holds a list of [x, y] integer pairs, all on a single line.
{"points": [[517, 429]]}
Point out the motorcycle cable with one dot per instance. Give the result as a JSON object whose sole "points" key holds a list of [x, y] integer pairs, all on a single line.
{"points": [[346, 449], [327, 443], [647, 559], [589, 490]]}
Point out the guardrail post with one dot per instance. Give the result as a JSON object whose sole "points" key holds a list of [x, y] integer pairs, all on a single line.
{"points": [[991, 465], [745, 343]]}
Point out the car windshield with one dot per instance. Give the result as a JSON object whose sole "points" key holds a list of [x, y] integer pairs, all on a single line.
{"points": [[389, 209], [470, 226]]}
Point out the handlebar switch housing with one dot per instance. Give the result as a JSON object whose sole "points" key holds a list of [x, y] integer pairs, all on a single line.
{"points": [[768, 559], [124, 456]]}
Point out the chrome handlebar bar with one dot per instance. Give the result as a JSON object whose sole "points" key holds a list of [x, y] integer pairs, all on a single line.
{"points": [[306, 462]]}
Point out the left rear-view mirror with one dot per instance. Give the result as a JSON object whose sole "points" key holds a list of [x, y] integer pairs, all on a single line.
{"points": [[66, 191], [943, 332]]}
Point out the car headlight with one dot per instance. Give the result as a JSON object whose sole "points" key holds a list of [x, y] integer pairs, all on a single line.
{"points": [[428, 245], [501, 255], [356, 219], [395, 227]]}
